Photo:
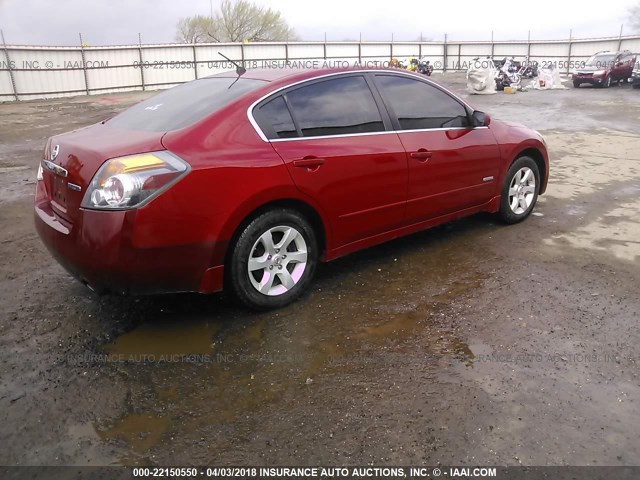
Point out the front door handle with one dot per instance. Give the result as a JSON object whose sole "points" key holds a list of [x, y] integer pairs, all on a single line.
{"points": [[421, 155], [310, 163]]}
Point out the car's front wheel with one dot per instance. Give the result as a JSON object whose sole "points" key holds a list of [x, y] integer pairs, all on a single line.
{"points": [[520, 190], [273, 260]]}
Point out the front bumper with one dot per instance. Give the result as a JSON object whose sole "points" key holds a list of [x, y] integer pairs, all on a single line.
{"points": [[98, 249], [591, 79]]}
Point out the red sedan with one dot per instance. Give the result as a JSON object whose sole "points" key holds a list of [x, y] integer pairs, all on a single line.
{"points": [[248, 181]]}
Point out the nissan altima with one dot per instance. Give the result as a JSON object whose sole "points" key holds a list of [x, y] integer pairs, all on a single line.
{"points": [[245, 182]]}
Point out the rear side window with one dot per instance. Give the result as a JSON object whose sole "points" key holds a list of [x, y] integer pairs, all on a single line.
{"points": [[335, 107], [275, 120], [183, 105], [419, 105]]}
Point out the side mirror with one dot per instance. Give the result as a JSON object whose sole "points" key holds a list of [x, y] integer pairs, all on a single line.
{"points": [[481, 119]]}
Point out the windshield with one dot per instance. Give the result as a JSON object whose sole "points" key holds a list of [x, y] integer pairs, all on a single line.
{"points": [[600, 61], [183, 105]]}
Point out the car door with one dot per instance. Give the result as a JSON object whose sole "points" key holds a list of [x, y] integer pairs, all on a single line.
{"points": [[451, 165], [624, 66], [337, 142]]}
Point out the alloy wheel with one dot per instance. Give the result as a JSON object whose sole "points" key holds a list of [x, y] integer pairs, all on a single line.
{"points": [[522, 190], [277, 260]]}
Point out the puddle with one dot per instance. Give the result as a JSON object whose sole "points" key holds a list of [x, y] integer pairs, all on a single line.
{"points": [[140, 432], [235, 371]]}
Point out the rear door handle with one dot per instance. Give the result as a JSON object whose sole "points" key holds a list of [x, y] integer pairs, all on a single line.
{"points": [[422, 155], [312, 163]]}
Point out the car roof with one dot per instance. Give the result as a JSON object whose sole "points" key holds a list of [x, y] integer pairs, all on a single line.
{"points": [[291, 74]]}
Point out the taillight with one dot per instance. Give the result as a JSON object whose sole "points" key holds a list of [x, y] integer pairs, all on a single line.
{"points": [[128, 182]]}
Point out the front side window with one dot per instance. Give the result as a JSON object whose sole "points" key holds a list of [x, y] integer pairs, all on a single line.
{"points": [[418, 105], [335, 107]]}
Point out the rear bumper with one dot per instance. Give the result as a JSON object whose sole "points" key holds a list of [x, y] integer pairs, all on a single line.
{"points": [[98, 250]]}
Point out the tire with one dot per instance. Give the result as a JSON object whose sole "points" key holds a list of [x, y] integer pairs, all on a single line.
{"points": [[637, 85], [275, 280], [576, 84], [606, 83], [520, 190]]}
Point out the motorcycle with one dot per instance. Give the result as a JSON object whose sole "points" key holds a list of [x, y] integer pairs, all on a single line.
{"points": [[507, 75], [425, 67]]}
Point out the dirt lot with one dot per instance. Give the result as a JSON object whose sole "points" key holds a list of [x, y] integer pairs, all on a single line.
{"points": [[473, 343]]}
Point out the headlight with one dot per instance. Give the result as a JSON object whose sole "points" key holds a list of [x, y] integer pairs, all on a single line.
{"points": [[39, 174], [128, 182], [599, 72]]}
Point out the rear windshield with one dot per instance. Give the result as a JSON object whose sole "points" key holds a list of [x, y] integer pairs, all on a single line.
{"points": [[183, 105]]}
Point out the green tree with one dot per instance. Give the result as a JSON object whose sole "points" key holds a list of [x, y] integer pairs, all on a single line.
{"points": [[235, 21]]}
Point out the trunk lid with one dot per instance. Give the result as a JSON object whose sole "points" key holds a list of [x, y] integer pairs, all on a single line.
{"points": [[80, 153]]}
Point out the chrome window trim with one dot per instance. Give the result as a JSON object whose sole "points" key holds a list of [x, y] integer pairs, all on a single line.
{"points": [[387, 132], [264, 138]]}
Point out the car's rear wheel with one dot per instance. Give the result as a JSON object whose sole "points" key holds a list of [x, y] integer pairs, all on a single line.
{"points": [[273, 260], [520, 190]]}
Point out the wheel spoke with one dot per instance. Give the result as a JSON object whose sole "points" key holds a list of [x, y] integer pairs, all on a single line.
{"points": [[526, 176], [517, 177], [258, 263], [290, 235], [267, 242], [529, 189], [514, 203], [266, 282], [523, 203], [296, 257], [513, 191], [286, 279]]}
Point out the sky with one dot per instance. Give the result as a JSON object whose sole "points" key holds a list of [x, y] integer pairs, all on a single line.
{"points": [[118, 22]]}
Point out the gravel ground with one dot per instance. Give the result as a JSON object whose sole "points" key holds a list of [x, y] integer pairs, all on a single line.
{"points": [[472, 343]]}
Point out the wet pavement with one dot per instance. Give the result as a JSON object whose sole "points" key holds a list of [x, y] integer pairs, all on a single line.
{"points": [[472, 343]]}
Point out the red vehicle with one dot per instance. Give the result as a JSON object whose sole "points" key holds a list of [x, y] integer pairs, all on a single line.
{"points": [[603, 68], [248, 181]]}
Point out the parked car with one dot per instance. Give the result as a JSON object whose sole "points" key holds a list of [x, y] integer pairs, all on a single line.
{"points": [[635, 76], [603, 68], [247, 182]]}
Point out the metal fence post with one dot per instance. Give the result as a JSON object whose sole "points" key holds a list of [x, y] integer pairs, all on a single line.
{"points": [[570, 47], [360, 50], [141, 64], [195, 61], [11, 77], [620, 38], [84, 65], [493, 46], [444, 57], [528, 46], [391, 50], [324, 46]]}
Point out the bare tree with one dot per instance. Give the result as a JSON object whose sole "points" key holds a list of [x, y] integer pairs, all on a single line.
{"points": [[634, 17], [193, 29], [236, 21]]}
